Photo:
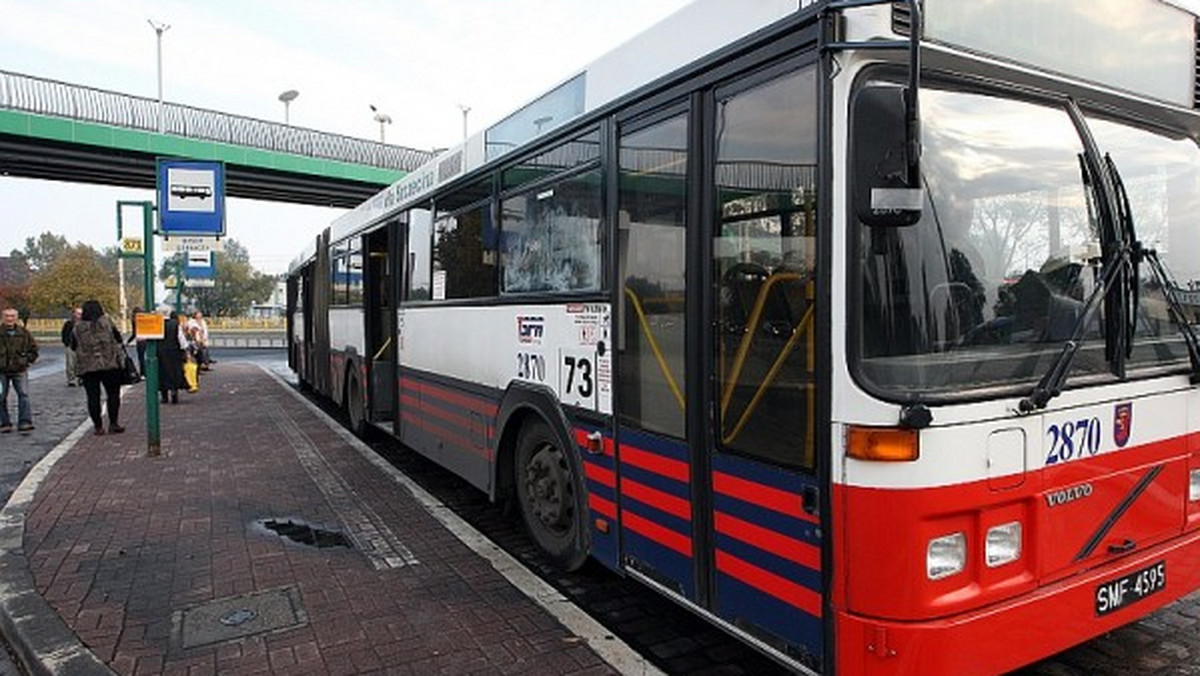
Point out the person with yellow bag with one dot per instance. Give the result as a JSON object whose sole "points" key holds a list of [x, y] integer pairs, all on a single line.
{"points": [[191, 365]]}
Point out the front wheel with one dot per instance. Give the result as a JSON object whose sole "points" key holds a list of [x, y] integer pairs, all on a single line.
{"points": [[550, 497]]}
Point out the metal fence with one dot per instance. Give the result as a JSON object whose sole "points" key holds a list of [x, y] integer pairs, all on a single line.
{"points": [[87, 104]]}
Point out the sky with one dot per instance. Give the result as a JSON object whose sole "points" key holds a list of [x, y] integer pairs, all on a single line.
{"points": [[416, 60]]}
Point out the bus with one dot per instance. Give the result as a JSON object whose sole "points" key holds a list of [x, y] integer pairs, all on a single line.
{"points": [[862, 329]]}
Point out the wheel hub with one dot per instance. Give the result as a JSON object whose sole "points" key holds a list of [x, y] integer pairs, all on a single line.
{"points": [[545, 480]]}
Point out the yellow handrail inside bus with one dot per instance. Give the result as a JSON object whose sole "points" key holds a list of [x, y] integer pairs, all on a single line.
{"points": [[801, 328], [386, 344], [739, 359], [658, 355]]}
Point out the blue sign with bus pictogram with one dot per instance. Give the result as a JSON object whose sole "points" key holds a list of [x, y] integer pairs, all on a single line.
{"points": [[191, 198]]}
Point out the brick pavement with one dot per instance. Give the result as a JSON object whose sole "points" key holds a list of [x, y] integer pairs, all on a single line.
{"points": [[127, 550]]}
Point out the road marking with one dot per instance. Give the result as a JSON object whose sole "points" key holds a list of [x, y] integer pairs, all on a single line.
{"points": [[611, 649], [369, 532]]}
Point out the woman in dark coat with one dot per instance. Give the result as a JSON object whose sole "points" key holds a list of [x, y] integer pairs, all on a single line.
{"points": [[170, 359], [100, 361]]}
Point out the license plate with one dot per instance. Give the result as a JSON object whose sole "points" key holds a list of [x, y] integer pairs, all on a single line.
{"points": [[1116, 594]]}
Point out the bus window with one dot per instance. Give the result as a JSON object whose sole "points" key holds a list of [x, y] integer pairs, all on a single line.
{"points": [[354, 275], [551, 237], [340, 272], [653, 206], [764, 258], [464, 253], [420, 239]]}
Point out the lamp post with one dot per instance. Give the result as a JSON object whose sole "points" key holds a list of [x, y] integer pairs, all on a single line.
{"points": [[465, 110], [287, 98], [159, 29], [383, 119]]}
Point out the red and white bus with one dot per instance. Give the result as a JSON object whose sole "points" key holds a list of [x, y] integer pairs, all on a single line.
{"points": [[860, 328]]}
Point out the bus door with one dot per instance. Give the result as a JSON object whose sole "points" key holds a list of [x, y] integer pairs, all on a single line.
{"points": [[758, 481], [653, 455], [322, 290], [379, 313], [718, 500]]}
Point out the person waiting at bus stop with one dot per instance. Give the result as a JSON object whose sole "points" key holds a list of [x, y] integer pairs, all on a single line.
{"points": [[68, 329], [101, 361], [197, 329], [170, 357], [18, 350]]}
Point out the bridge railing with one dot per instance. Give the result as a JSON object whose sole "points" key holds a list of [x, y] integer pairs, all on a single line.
{"points": [[88, 104]]}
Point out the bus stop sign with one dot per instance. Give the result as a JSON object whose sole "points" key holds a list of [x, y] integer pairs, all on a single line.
{"points": [[191, 198]]}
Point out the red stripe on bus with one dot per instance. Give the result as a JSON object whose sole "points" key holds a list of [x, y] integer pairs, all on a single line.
{"points": [[601, 475], [672, 469], [478, 405], [657, 499], [762, 495], [454, 439], [445, 415], [768, 540], [602, 506], [656, 533], [769, 583]]}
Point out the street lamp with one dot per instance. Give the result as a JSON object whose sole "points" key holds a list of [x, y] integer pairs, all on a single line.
{"points": [[383, 119], [465, 110], [159, 29], [287, 98]]}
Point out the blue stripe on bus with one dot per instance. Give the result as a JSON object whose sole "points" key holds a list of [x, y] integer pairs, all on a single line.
{"points": [[769, 519], [674, 450], [657, 481], [798, 573]]}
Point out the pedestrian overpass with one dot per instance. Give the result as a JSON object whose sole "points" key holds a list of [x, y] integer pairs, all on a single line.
{"points": [[67, 132]]}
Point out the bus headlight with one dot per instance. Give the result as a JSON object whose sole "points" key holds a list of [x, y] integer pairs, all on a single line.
{"points": [[946, 556], [1194, 486], [1003, 544]]}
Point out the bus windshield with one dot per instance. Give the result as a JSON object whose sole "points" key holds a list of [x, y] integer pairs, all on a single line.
{"points": [[981, 293]]}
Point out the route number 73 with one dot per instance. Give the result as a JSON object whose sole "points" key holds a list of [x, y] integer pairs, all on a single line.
{"points": [[577, 378]]}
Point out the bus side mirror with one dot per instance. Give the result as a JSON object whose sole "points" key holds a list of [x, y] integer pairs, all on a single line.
{"points": [[885, 173]]}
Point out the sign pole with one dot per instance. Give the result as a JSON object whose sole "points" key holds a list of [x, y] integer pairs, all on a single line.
{"points": [[153, 435]]}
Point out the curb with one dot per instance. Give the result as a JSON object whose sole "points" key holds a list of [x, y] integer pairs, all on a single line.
{"points": [[41, 641]]}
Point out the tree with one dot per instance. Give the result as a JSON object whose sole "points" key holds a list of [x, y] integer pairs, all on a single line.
{"points": [[41, 252], [75, 275], [133, 275], [14, 285], [236, 283]]}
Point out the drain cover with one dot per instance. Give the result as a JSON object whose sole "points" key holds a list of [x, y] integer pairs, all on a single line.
{"points": [[304, 533], [240, 616]]}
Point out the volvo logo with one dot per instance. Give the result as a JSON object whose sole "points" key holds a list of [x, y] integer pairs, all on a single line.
{"points": [[1062, 497]]}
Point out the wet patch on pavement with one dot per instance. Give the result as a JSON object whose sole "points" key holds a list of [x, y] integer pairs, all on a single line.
{"points": [[303, 533]]}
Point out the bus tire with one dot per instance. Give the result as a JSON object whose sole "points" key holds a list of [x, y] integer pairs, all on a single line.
{"points": [[550, 496], [354, 406]]}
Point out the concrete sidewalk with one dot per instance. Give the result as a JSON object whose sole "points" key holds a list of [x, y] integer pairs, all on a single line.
{"points": [[266, 539]]}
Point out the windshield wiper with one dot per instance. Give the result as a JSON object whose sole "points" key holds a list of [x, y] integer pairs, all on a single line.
{"points": [[1162, 275], [1050, 385]]}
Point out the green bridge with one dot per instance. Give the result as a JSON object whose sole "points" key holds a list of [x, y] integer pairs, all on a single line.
{"points": [[61, 131]]}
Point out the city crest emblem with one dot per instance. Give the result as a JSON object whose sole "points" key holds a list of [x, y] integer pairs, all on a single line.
{"points": [[1122, 423]]}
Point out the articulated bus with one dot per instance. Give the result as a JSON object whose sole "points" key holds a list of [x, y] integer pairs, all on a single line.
{"points": [[862, 329]]}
